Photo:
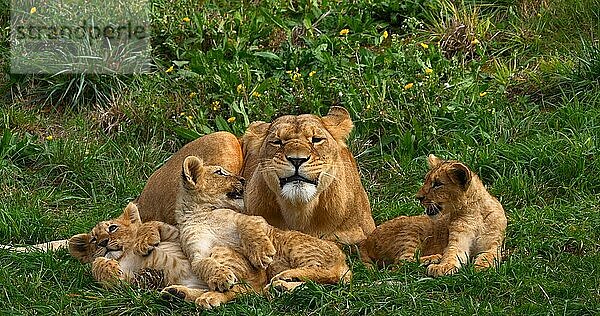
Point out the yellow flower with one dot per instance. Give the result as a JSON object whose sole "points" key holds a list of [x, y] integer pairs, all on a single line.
{"points": [[190, 117], [182, 114], [288, 71], [408, 86], [216, 105], [170, 69], [344, 32], [231, 119], [385, 34], [186, 19], [312, 73], [256, 94], [428, 71], [425, 46], [33, 10], [482, 94], [296, 76], [240, 88], [475, 42], [193, 94], [49, 137]]}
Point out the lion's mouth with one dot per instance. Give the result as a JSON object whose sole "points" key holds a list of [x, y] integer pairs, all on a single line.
{"points": [[433, 209], [296, 179], [236, 194]]}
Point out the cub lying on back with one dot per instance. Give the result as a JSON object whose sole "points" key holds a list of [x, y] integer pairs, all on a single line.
{"points": [[292, 257], [462, 220], [149, 254]]}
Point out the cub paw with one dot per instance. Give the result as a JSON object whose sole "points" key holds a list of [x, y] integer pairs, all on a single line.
{"points": [[436, 270], [282, 285], [107, 271], [222, 280], [427, 260], [261, 255], [178, 291], [146, 242], [210, 300], [484, 262]]}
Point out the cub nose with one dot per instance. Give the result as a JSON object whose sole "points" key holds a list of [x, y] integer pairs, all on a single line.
{"points": [[297, 161], [103, 243], [420, 197]]}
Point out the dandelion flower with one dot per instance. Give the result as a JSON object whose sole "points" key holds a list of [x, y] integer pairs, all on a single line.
{"points": [[186, 19], [216, 105], [240, 88], [193, 94], [428, 71], [33, 10], [256, 94], [312, 73], [408, 86], [482, 94], [231, 119], [49, 137], [344, 32], [475, 42], [385, 34], [190, 117], [425, 46], [170, 69], [182, 114], [288, 71], [296, 76]]}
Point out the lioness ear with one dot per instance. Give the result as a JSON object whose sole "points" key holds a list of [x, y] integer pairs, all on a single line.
{"points": [[460, 174], [433, 161], [254, 136], [192, 173], [338, 123], [132, 214]]}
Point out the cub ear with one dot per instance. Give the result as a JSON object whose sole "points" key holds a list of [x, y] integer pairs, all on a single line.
{"points": [[192, 173], [338, 123], [81, 247], [433, 161], [132, 214], [460, 174]]}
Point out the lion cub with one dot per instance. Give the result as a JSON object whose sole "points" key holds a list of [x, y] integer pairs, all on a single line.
{"points": [[462, 220], [298, 257], [206, 219], [149, 254]]}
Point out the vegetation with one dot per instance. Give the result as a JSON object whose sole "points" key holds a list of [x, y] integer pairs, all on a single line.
{"points": [[510, 87]]}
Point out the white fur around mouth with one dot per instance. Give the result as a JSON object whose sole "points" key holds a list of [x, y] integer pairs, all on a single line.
{"points": [[299, 191]]}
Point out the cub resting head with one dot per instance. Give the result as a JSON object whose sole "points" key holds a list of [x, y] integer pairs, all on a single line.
{"points": [[301, 176], [463, 220]]}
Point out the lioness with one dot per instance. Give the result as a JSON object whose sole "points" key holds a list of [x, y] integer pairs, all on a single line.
{"points": [[462, 220], [301, 176]]}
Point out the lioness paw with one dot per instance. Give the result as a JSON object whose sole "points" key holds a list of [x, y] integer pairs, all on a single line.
{"points": [[427, 260], [282, 285], [436, 270]]}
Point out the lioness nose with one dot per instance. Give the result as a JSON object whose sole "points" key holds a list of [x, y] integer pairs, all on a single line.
{"points": [[297, 161]]}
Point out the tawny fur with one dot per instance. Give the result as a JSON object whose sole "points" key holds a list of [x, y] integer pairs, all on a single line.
{"points": [[157, 200], [463, 221], [328, 201]]}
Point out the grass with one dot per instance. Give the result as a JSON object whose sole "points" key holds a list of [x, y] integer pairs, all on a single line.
{"points": [[521, 106]]}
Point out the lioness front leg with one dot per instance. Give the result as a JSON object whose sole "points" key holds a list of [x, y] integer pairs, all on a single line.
{"points": [[455, 255], [255, 241]]}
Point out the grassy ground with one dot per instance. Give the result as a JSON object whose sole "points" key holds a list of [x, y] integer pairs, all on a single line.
{"points": [[511, 87]]}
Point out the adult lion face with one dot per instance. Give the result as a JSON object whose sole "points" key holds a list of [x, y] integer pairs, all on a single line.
{"points": [[299, 153]]}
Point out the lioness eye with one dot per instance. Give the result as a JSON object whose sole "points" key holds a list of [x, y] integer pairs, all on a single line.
{"points": [[317, 140], [276, 142], [113, 228]]}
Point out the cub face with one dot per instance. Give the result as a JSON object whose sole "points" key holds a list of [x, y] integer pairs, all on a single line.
{"points": [[211, 184], [299, 153], [107, 237], [445, 183]]}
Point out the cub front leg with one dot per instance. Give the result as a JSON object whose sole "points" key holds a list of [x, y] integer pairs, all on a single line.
{"points": [[489, 258], [455, 255], [255, 241], [183, 292], [217, 276], [150, 234], [107, 271]]}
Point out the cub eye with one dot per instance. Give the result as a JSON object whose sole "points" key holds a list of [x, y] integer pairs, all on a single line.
{"points": [[220, 172], [113, 228], [436, 184], [93, 240], [276, 142], [317, 140]]}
